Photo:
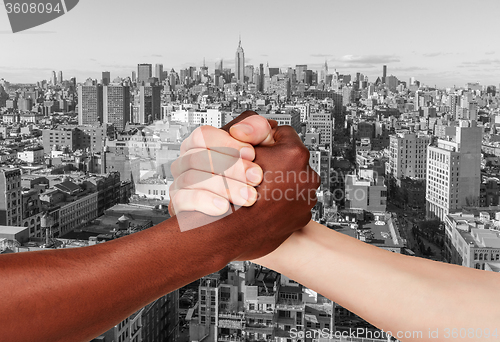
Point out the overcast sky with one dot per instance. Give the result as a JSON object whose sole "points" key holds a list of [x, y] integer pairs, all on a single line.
{"points": [[441, 43]]}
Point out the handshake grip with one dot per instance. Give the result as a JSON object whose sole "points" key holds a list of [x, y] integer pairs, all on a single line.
{"points": [[284, 199]]}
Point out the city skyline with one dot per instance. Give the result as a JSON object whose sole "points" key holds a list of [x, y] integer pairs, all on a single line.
{"points": [[434, 47]]}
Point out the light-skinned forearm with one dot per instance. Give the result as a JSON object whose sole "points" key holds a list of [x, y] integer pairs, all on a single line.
{"points": [[392, 291]]}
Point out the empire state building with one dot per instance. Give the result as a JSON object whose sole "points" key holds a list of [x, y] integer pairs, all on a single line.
{"points": [[240, 64]]}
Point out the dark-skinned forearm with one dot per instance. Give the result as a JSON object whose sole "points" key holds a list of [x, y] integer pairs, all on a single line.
{"points": [[76, 294]]}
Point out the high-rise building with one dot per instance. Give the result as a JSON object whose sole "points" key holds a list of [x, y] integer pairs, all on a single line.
{"points": [[384, 73], [134, 76], [454, 171], [116, 101], [144, 73], [249, 73], [408, 156], [106, 78], [149, 103], [239, 60], [90, 104], [10, 197], [53, 80], [60, 78], [261, 78], [159, 72], [300, 70], [322, 123]]}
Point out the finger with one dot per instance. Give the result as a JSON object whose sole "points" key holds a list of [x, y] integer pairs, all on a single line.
{"points": [[203, 201], [235, 192], [254, 130], [218, 163], [217, 140]]}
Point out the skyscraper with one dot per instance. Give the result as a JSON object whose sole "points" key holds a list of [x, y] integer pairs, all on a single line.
{"points": [[60, 78], [159, 72], [454, 171], [90, 104], [106, 78], [149, 103], [239, 72], [116, 102], [53, 80], [144, 73], [300, 70], [384, 73]]}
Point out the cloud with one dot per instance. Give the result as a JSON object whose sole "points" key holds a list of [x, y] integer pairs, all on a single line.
{"points": [[321, 55], [481, 62], [436, 54], [413, 68], [370, 59], [490, 52]]}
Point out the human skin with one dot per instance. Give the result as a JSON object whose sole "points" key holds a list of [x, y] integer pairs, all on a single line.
{"points": [[77, 294], [400, 294]]}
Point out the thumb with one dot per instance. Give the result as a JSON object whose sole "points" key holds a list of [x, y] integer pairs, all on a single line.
{"points": [[254, 130]]}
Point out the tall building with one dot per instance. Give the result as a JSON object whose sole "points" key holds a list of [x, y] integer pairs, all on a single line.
{"points": [[323, 124], [301, 72], [408, 156], [159, 72], [116, 101], [149, 103], [60, 78], [90, 104], [144, 73], [454, 171], [106, 78], [239, 61], [53, 80], [10, 197], [384, 73]]}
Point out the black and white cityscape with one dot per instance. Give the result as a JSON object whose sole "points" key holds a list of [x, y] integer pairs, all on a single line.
{"points": [[406, 164]]}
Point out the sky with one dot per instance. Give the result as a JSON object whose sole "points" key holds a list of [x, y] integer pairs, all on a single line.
{"points": [[440, 43]]}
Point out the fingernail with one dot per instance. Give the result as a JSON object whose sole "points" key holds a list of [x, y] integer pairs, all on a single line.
{"points": [[254, 175], [247, 153], [220, 203], [247, 192], [247, 129]]}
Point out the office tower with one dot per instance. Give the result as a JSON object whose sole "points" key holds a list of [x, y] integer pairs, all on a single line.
{"points": [[322, 124], [454, 171], [10, 197], [261, 78], [90, 104], [239, 65], [159, 72], [106, 78], [249, 73], [408, 155], [392, 82], [300, 70], [219, 65], [134, 76], [60, 78], [384, 73], [144, 73], [149, 103], [324, 72], [116, 100], [53, 80]]}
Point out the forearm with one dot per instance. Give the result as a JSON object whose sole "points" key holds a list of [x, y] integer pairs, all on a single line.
{"points": [[76, 294], [392, 291]]}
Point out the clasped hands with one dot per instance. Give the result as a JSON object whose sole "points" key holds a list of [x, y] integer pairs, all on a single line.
{"points": [[250, 168]]}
